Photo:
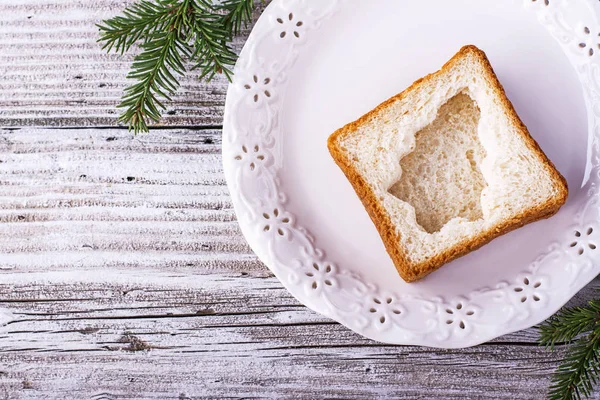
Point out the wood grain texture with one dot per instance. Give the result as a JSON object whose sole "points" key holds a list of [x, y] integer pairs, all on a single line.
{"points": [[123, 272], [53, 73]]}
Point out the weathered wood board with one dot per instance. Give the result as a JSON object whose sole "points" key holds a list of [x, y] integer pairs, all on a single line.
{"points": [[124, 275]]}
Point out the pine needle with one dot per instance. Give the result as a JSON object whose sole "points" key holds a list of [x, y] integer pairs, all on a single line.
{"points": [[569, 323], [237, 13], [171, 34], [579, 372], [577, 375]]}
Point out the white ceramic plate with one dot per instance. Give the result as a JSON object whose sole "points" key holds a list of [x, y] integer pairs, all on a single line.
{"points": [[311, 66]]}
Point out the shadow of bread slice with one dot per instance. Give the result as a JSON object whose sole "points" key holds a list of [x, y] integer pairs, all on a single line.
{"points": [[446, 166]]}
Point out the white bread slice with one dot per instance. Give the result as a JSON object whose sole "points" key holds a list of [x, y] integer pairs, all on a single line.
{"points": [[447, 166]]}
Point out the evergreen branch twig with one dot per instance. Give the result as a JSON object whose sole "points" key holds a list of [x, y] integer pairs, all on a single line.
{"points": [[211, 50], [577, 375], [569, 323], [171, 34], [138, 21], [579, 372], [236, 13]]}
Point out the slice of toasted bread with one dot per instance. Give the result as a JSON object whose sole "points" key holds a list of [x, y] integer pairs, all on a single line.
{"points": [[446, 166]]}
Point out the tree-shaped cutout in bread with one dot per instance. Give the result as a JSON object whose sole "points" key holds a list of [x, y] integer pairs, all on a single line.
{"points": [[446, 166]]}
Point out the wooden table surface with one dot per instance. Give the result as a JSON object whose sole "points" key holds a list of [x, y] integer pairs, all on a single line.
{"points": [[124, 275]]}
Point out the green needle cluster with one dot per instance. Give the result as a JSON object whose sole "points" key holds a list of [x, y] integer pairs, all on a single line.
{"points": [[579, 372], [171, 34]]}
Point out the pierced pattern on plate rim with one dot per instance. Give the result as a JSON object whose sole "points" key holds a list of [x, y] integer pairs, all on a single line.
{"points": [[290, 26], [250, 141]]}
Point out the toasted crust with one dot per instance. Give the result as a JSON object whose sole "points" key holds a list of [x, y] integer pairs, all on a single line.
{"points": [[408, 270]]}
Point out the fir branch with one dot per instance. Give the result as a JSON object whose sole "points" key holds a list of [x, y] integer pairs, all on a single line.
{"points": [[213, 54], [155, 68], [138, 22], [566, 325], [152, 68], [236, 14], [577, 375], [172, 33], [579, 372]]}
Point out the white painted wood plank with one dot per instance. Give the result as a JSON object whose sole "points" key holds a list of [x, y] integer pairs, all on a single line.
{"points": [[53, 73], [332, 373], [91, 197], [218, 336]]}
